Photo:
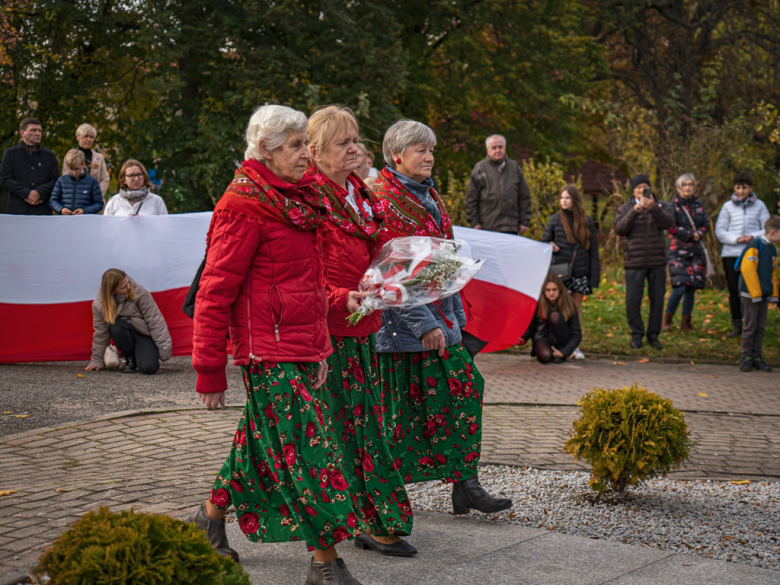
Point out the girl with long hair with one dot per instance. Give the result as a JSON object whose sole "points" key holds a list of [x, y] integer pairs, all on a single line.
{"points": [[556, 327]]}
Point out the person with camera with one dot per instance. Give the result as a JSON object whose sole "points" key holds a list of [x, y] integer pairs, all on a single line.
{"points": [[642, 223]]}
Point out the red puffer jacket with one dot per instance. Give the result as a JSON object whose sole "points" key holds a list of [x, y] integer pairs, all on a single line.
{"points": [[262, 279], [346, 258]]}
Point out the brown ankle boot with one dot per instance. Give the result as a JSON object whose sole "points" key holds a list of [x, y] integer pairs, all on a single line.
{"points": [[667, 324], [685, 324]]}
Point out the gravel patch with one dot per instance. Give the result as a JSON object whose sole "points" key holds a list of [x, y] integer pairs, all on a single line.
{"points": [[718, 520]]}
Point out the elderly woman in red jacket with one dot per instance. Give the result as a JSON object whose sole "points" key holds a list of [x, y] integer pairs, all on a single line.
{"points": [[262, 283], [352, 399]]}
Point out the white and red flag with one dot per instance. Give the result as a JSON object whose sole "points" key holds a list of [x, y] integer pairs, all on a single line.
{"points": [[51, 267]]}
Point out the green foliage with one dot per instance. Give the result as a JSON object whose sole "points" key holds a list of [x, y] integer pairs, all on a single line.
{"points": [[545, 181], [136, 549], [628, 435], [455, 198]]}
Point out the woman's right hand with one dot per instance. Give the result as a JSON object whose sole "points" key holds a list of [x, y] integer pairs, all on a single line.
{"points": [[66, 211], [213, 400], [91, 368], [434, 339], [354, 299], [555, 247]]}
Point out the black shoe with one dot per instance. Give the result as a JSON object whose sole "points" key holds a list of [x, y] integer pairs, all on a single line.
{"points": [[558, 360], [736, 329], [636, 342], [761, 365], [332, 573], [397, 549], [654, 343], [746, 365], [130, 366], [469, 494], [215, 530]]}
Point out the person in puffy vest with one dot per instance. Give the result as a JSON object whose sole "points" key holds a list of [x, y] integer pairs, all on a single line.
{"points": [[77, 192], [758, 287]]}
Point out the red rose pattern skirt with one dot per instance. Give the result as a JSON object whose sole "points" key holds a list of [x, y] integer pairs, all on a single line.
{"points": [[352, 407], [282, 474], [434, 413]]}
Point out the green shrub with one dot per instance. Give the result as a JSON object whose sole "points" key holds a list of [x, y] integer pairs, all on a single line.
{"points": [[128, 548], [628, 435]]}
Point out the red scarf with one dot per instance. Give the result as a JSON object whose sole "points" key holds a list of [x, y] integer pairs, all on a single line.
{"points": [[331, 200]]}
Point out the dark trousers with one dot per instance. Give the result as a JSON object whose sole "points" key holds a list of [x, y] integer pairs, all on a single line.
{"points": [[685, 293], [559, 336], [732, 278], [753, 327], [133, 344], [635, 292]]}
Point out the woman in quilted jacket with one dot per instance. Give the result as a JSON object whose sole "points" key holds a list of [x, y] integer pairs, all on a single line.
{"points": [[262, 283], [352, 397], [686, 256]]}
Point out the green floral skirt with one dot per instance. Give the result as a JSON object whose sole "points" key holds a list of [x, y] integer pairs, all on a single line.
{"points": [[434, 413], [282, 474], [352, 409]]}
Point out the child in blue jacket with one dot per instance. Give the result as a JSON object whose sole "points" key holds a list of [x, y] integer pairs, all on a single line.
{"points": [[77, 192]]}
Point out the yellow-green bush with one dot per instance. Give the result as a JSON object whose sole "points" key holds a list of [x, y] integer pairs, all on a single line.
{"points": [[138, 549], [628, 435]]}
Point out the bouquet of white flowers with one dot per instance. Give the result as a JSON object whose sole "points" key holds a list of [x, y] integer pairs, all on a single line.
{"points": [[414, 271]]}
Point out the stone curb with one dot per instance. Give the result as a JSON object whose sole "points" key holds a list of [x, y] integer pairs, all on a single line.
{"points": [[635, 358]]}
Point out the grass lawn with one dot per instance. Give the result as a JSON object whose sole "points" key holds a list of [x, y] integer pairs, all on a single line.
{"points": [[606, 331]]}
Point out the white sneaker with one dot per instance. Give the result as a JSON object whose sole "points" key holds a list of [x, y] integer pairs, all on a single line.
{"points": [[578, 355]]}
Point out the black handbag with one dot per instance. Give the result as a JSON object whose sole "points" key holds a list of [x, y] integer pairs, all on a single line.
{"points": [[564, 270], [472, 343], [189, 301]]}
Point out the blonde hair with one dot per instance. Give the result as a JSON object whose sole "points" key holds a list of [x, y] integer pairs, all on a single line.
{"points": [[327, 123], [131, 162], [86, 130], [271, 124], [74, 160], [112, 278]]}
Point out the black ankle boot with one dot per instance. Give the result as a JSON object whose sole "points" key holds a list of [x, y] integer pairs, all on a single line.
{"points": [[215, 530], [736, 329], [332, 573], [130, 365], [469, 494]]}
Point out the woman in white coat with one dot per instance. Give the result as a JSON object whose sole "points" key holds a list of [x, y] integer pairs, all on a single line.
{"points": [[740, 220], [135, 196]]}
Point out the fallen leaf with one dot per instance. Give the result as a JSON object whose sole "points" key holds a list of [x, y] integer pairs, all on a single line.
{"points": [[728, 538], [703, 394], [618, 364], [58, 490], [80, 375], [21, 415], [8, 412], [713, 376], [743, 482], [6, 493], [644, 360]]}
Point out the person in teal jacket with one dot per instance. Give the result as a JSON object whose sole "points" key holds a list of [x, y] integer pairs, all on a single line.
{"points": [[758, 286]]}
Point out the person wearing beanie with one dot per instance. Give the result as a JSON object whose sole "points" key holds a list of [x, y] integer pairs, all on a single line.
{"points": [[642, 222], [741, 219]]}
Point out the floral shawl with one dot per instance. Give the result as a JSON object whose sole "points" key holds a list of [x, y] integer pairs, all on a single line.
{"points": [[405, 215], [330, 199]]}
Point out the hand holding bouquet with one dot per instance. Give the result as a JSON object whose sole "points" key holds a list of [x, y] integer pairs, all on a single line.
{"points": [[414, 271]]}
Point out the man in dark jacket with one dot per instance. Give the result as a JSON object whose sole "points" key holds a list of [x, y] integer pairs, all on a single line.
{"points": [[642, 221], [28, 172], [497, 196]]}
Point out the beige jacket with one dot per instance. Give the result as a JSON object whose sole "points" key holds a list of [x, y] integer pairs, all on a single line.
{"points": [[143, 314], [98, 170]]}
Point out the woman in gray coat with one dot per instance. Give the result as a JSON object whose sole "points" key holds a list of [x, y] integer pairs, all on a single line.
{"points": [[125, 312]]}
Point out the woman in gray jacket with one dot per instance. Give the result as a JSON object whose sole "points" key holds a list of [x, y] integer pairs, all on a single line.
{"points": [[740, 220], [125, 312], [432, 389]]}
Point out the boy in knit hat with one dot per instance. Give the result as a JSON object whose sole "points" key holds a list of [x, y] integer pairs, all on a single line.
{"points": [[757, 288]]}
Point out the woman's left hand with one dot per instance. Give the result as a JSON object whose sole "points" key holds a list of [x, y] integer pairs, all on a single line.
{"points": [[354, 299], [556, 352], [696, 236], [322, 374], [78, 212], [213, 400]]}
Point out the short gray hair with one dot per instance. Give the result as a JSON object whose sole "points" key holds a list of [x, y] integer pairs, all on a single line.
{"points": [[271, 124], [685, 177], [487, 140], [402, 135], [86, 130]]}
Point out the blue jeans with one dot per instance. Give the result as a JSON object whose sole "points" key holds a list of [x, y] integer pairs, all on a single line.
{"points": [[688, 296]]}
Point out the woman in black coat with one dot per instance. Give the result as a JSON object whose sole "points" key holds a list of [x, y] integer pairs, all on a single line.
{"points": [[572, 235], [555, 328], [686, 256]]}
